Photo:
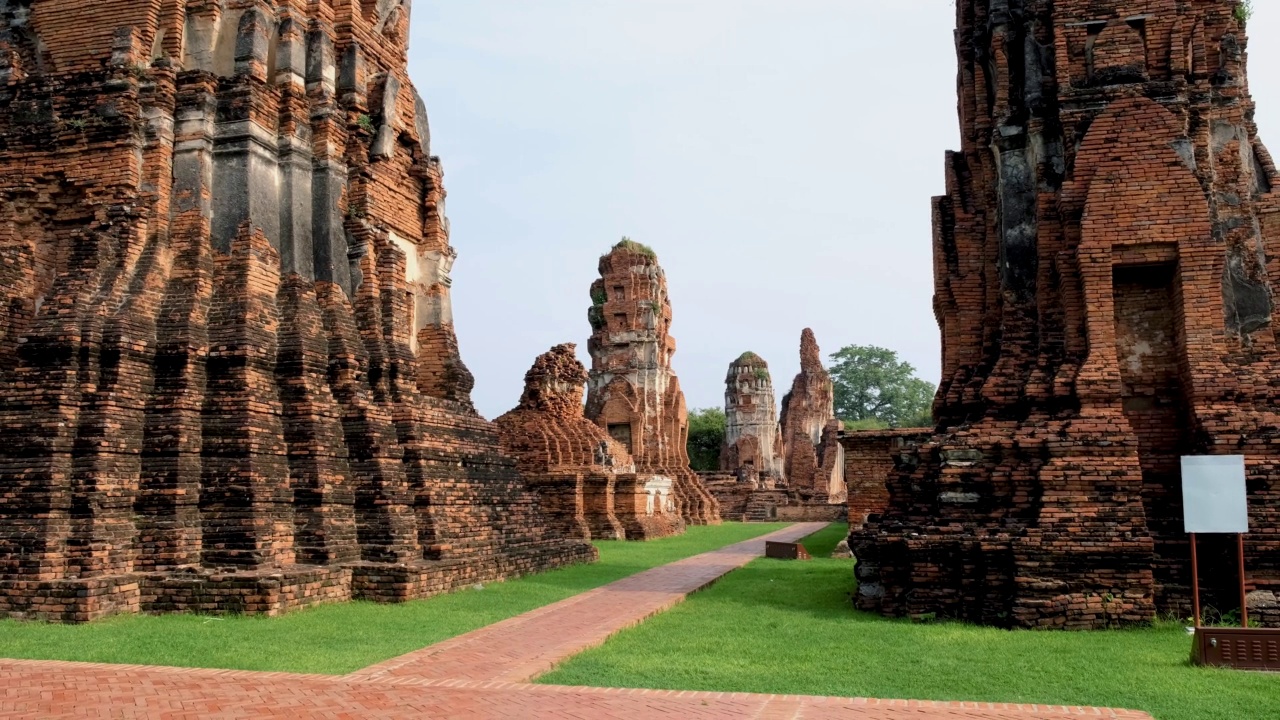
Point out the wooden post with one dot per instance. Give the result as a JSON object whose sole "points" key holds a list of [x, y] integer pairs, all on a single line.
{"points": [[1244, 593], [1195, 582]]}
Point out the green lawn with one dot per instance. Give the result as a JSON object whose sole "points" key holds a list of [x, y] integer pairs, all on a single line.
{"points": [[788, 627], [340, 638]]}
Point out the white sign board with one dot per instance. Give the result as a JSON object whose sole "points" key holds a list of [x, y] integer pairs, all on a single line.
{"points": [[1213, 494]]}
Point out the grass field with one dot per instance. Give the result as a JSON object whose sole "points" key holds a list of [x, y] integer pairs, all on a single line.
{"points": [[340, 638], [788, 627]]}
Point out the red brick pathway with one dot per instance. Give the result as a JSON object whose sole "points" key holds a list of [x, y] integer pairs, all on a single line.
{"points": [[528, 645], [470, 676]]}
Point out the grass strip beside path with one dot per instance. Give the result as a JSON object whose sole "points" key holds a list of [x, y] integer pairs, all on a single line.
{"points": [[340, 638], [788, 627]]}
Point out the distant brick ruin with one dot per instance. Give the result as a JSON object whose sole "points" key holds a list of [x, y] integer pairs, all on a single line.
{"points": [[587, 481], [814, 458], [1105, 268], [752, 447], [230, 377], [754, 484], [632, 392]]}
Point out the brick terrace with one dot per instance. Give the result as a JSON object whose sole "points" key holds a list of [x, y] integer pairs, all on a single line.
{"points": [[478, 675]]}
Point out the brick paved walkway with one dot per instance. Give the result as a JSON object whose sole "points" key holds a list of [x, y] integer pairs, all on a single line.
{"points": [[478, 675], [528, 645]]}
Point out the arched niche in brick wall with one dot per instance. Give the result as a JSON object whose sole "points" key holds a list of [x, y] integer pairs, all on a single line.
{"points": [[619, 416], [1145, 209], [1118, 54]]}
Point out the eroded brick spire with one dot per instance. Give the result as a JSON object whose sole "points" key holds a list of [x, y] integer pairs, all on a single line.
{"points": [[634, 393], [554, 383]]}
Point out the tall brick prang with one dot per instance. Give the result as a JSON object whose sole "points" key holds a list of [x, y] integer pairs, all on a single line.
{"points": [[1104, 270], [587, 481], [633, 394], [814, 458], [229, 379], [752, 448]]}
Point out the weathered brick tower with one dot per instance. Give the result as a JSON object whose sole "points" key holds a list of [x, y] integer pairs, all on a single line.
{"points": [[1105, 263], [632, 392], [230, 378], [752, 448], [814, 457]]}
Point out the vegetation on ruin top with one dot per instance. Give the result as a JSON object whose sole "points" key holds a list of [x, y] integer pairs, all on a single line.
{"points": [[1244, 10], [788, 627], [632, 246], [341, 638]]}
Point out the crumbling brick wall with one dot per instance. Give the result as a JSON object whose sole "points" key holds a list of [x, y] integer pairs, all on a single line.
{"points": [[1104, 283], [633, 394], [869, 460], [230, 378]]}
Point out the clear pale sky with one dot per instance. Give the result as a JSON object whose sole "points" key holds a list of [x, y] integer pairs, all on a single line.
{"points": [[779, 155]]}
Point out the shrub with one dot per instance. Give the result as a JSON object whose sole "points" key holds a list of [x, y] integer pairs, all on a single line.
{"points": [[637, 248]]}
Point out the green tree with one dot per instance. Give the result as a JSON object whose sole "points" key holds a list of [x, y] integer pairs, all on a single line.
{"points": [[706, 435], [873, 386]]}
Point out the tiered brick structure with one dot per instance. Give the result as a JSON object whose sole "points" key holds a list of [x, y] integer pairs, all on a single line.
{"points": [[1104, 263], [230, 379], [814, 458], [587, 481], [752, 449], [869, 464], [633, 393]]}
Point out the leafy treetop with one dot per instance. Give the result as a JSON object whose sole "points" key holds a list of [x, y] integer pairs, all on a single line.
{"points": [[875, 389], [706, 435]]}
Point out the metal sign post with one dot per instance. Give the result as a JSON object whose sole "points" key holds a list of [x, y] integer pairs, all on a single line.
{"points": [[1215, 500], [1195, 583]]}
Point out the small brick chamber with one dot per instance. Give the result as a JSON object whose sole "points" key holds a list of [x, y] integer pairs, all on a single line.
{"points": [[229, 379], [1105, 267]]}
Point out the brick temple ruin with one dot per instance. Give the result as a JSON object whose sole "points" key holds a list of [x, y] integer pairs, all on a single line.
{"points": [[587, 481], [752, 448], [632, 391], [788, 468], [813, 456], [230, 377], [1105, 274]]}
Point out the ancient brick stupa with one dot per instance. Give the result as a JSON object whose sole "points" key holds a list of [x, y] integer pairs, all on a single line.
{"points": [[814, 458], [587, 480], [632, 392], [1106, 306], [752, 448], [230, 379]]}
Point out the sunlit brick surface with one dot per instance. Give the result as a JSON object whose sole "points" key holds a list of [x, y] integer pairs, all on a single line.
{"points": [[229, 378]]}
